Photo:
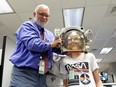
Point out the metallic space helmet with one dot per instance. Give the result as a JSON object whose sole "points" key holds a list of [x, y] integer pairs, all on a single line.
{"points": [[75, 39]]}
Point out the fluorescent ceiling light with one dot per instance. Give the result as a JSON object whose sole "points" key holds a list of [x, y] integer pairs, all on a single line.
{"points": [[4, 7], [106, 50], [73, 17], [98, 60]]}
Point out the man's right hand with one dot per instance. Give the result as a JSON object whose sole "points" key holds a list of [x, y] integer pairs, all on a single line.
{"points": [[56, 42]]}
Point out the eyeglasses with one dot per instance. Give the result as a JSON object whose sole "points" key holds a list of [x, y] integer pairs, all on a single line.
{"points": [[43, 14]]}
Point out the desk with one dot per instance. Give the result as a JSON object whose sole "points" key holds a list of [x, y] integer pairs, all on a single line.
{"points": [[109, 84]]}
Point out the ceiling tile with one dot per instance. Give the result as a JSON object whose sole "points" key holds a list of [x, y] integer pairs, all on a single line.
{"points": [[53, 4], [105, 32], [11, 21], [22, 5], [73, 3], [93, 16], [25, 16], [97, 2], [1, 24], [113, 1], [111, 11]]}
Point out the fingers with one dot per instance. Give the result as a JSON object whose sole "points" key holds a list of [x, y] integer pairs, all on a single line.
{"points": [[57, 38], [55, 43]]}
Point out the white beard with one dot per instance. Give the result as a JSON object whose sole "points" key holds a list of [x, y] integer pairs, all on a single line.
{"points": [[42, 24]]}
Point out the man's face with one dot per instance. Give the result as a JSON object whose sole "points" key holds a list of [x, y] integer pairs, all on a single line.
{"points": [[41, 16]]}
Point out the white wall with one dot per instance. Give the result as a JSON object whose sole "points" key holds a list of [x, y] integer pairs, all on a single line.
{"points": [[113, 65], [10, 45]]}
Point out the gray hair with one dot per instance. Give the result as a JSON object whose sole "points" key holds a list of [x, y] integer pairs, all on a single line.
{"points": [[42, 5]]}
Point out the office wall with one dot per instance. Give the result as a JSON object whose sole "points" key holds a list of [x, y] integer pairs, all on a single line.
{"points": [[111, 73], [113, 68], [9, 48]]}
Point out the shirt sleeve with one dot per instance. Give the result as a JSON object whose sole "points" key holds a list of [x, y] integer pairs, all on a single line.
{"points": [[62, 67], [31, 39], [93, 62], [64, 76]]}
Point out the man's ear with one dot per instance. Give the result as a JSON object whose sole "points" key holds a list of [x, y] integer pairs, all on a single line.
{"points": [[34, 13]]}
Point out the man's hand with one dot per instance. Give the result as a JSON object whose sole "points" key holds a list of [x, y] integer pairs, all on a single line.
{"points": [[56, 42]]}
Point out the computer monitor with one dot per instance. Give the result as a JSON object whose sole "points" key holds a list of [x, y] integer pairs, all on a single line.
{"points": [[104, 76]]}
